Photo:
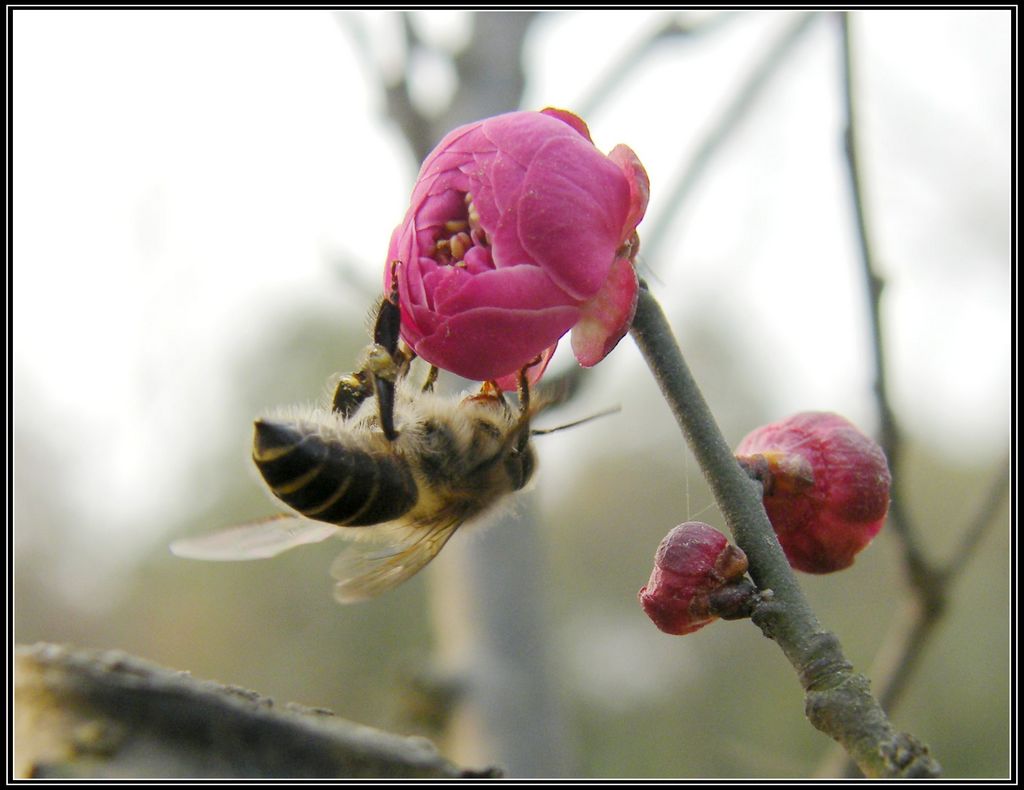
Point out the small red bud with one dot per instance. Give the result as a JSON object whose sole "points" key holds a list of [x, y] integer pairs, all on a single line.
{"points": [[826, 487], [693, 568]]}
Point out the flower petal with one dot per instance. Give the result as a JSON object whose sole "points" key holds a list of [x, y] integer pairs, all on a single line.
{"points": [[571, 214], [404, 248], [606, 317], [520, 135], [510, 383], [639, 186], [515, 288], [438, 209], [488, 342], [572, 119], [453, 148]]}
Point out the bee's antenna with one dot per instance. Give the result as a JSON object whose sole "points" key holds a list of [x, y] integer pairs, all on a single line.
{"points": [[605, 413]]}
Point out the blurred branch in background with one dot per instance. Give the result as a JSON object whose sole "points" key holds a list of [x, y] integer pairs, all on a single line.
{"points": [[931, 582], [91, 714], [899, 660], [676, 28], [489, 70], [758, 78]]}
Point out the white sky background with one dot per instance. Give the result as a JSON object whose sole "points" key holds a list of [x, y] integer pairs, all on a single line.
{"points": [[178, 175]]}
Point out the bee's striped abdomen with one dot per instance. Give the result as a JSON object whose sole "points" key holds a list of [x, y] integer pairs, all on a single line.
{"points": [[331, 481]]}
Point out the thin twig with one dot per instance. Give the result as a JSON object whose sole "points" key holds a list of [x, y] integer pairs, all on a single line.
{"points": [[889, 434], [490, 68], [927, 579], [675, 28], [930, 583], [416, 127], [978, 525], [837, 700], [912, 630], [894, 679], [759, 76]]}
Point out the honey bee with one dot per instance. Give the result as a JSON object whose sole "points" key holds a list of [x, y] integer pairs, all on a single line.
{"points": [[391, 467]]}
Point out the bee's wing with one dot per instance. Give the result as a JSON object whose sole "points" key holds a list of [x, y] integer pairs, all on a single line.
{"points": [[379, 558], [260, 539]]}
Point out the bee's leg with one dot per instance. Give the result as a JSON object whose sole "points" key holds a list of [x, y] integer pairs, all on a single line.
{"points": [[379, 366], [389, 318], [428, 385], [523, 389], [490, 391], [385, 361], [522, 432], [350, 392]]}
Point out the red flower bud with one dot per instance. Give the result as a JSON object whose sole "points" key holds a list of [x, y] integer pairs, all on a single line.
{"points": [[519, 230], [826, 487], [697, 578]]}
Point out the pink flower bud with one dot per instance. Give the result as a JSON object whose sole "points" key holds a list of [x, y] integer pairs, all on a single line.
{"points": [[697, 578], [826, 487], [519, 230]]}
